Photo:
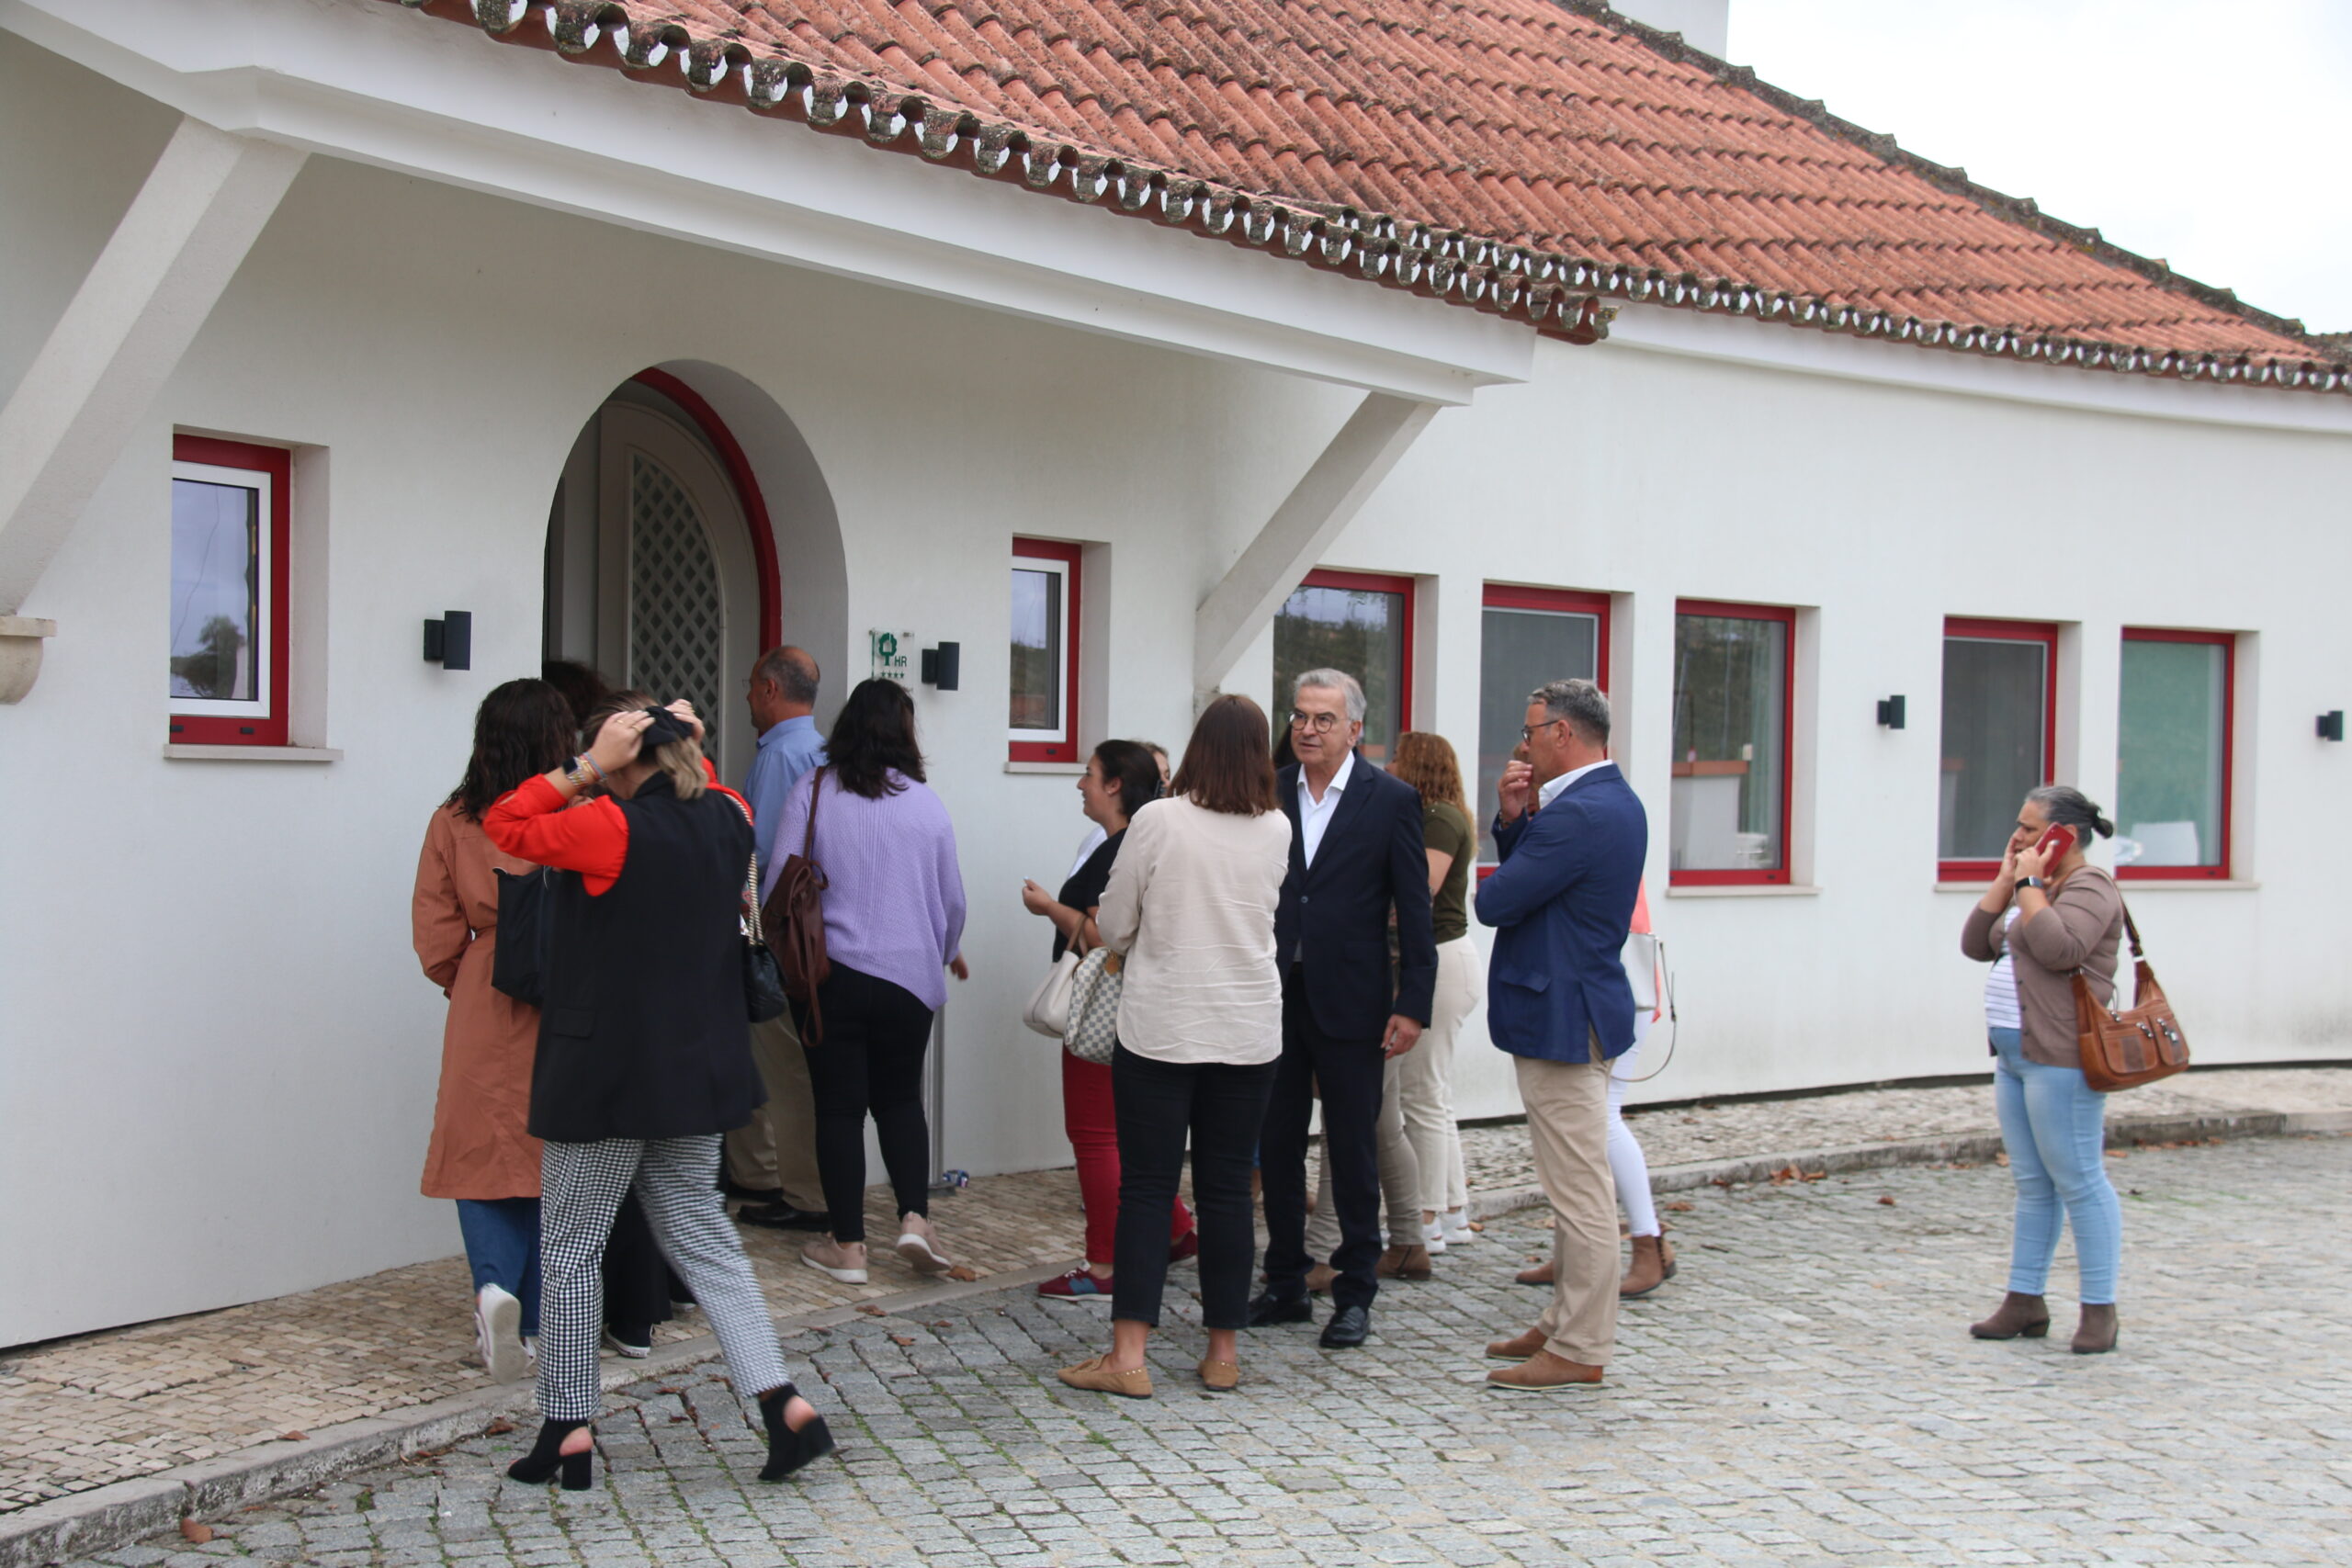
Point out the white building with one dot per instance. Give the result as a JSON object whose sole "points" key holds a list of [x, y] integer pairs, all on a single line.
{"points": [[1750, 414]]}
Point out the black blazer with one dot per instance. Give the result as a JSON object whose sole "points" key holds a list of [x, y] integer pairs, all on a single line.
{"points": [[1333, 920], [643, 1032]]}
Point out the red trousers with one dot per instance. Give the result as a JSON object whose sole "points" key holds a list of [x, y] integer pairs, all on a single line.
{"points": [[1087, 1116]]}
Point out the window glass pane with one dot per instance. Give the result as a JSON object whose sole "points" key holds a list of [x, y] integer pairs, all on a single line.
{"points": [[1730, 702], [1358, 630], [1994, 727], [2170, 752], [1038, 650], [216, 590], [1517, 651]]}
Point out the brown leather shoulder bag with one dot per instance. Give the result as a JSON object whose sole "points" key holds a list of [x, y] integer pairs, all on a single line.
{"points": [[794, 919], [2124, 1050]]}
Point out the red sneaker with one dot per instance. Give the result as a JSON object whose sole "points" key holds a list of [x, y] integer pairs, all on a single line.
{"points": [[1076, 1283], [1185, 1246]]}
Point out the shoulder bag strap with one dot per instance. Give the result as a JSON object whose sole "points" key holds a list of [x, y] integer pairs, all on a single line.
{"points": [[2133, 930], [808, 837]]}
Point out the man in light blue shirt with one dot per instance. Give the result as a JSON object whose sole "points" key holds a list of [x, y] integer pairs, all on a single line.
{"points": [[774, 1158]]}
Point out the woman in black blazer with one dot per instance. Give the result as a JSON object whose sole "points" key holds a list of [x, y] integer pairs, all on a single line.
{"points": [[643, 1063]]}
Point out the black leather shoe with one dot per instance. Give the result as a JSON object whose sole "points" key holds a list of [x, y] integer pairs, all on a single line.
{"points": [[736, 1191], [782, 1216], [1349, 1327], [1268, 1309]]}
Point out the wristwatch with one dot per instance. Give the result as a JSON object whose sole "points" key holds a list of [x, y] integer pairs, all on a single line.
{"points": [[2024, 882]]}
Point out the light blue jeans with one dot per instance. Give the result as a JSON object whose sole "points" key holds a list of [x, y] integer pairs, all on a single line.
{"points": [[2054, 1128], [503, 1248]]}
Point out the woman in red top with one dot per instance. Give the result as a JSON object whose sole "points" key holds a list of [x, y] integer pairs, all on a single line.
{"points": [[644, 1059]]}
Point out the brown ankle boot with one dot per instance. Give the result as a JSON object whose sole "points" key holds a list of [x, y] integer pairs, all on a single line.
{"points": [[1404, 1263], [1535, 1274], [2096, 1331], [1647, 1271], [2017, 1314]]}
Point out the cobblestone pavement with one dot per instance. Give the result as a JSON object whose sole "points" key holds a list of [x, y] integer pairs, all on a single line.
{"points": [[1803, 1394], [1498, 1158]]}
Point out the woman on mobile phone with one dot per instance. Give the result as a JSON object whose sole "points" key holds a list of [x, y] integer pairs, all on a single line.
{"points": [[2048, 915]]}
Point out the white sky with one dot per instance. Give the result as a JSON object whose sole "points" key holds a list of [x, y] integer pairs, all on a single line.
{"points": [[2214, 133]]}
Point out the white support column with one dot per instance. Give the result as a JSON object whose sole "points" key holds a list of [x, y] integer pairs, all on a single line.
{"points": [[122, 337], [1318, 507]]}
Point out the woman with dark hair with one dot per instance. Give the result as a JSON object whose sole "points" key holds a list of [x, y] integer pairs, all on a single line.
{"points": [[2043, 920], [643, 1064], [894, 918], [1121, 778], [1190, 904], [480, 1153]]}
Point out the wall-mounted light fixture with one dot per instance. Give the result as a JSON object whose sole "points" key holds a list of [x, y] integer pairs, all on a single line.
{"points": [[2331, 725], [944, 666], [449, 641], [1890, 712]]}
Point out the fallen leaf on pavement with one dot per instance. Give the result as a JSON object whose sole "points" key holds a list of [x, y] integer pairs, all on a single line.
{"points": [[962, 1271], [293, 1437], [870, 1310], [501, 1427], [198, 1533], [902, 1340], [1888, 1200], [1678, 1207]]}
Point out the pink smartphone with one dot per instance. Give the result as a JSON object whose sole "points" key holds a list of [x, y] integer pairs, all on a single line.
{"points": [[2056, 843]]}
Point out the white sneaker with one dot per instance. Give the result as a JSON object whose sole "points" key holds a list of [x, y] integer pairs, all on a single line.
{"points": [[915, 1246], [1433, 1237], [828, 1257], [498, 1324], [620, 1347], [1455, 1223]]}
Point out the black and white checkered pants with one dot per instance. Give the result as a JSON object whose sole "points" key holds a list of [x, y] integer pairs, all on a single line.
{"points": [[582, 1186]]}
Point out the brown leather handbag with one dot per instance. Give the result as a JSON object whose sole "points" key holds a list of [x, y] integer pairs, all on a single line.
{"points": [[2124, 1050], [793, 922]]}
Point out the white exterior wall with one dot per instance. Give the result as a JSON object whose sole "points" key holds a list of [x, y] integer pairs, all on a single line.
{"points": [[217, 1055]]}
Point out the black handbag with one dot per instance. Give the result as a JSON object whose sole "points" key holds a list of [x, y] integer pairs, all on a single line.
{"points": [[763, 997], [518, 965]]}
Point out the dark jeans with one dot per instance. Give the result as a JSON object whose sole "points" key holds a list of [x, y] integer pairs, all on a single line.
{"points": [[1348, 1073], [870, 1063], [1222, 1107]]}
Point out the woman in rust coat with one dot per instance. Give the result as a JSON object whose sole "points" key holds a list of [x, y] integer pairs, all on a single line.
{"points": [[480, 1155]]}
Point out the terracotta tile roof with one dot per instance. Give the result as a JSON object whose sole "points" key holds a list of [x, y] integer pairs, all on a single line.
{"points": [[1538, 158]]}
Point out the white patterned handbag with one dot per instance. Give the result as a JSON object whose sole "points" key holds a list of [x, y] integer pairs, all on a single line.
{"points": [[1094, 1007]]}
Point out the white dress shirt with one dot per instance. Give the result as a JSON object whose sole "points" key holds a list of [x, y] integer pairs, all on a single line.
{"points": [[1314, 815], [1551, 791]]}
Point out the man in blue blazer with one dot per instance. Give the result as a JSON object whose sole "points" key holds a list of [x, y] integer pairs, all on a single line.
{"points": [[1562, 905], [1355, 855]]}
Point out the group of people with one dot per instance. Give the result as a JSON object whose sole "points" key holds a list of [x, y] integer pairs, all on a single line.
{"points": [[1287, 938]]}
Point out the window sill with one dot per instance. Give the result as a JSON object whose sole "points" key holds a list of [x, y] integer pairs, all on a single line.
{"points": [[175, 753], [2132, 884], [1744, 890], [1067, 770]]}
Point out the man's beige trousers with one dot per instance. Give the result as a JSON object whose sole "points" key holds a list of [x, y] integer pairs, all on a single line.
{"points": [[778, 1147], [1568, 1123]]}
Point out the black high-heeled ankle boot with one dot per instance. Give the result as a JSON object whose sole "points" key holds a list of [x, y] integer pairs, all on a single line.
{"points": [[546, 1456], [788, 1450]]}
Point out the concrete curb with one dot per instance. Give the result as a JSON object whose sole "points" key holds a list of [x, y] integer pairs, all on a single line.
{"points": [[113, 1516]]}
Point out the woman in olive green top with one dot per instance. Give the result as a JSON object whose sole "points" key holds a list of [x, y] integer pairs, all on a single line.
{"points": [[1424, 1075]]}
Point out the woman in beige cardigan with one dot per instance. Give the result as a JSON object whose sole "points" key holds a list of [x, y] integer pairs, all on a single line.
{"points": [[2038, 925]]}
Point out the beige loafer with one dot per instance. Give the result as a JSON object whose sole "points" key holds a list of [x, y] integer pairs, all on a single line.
{"points": [[1092, 1375], [1220, 1377]]}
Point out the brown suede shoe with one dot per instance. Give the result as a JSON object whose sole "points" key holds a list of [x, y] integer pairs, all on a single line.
{"points": [[2098, 1331], [1544, 1372], [2017, 1314], [1092, 1375], [1518, 1347], [1219, 1377], [1404, 1263], [1540, 1274], [1320, 1278], [1653, 1265]]}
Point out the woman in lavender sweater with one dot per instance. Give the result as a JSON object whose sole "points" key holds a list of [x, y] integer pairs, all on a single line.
{"points": [[894, 918]]}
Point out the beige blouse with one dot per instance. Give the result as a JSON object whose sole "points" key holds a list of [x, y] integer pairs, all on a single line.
{"points": [[1190, 903]]}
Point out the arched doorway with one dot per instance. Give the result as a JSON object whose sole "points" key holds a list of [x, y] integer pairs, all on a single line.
{"points": [[660, 561]]}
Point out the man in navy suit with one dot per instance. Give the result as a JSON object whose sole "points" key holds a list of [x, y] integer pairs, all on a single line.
{"points": [[1562, 905], [1355, 855]]}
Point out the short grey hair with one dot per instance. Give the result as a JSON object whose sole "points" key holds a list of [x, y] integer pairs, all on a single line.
{"points": [[1350, 690], [792, 670], [1580, 702]]}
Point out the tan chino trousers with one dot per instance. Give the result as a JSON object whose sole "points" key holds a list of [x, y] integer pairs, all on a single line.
{"points": [[1568, 1123], [778, 1147]]}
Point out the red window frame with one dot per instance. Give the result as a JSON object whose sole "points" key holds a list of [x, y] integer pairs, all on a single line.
{"points": [[1378, 583], [1785, 615], [1566, 601], [2046, 634], [212, 729], [2228, 643], [1072, 558]]}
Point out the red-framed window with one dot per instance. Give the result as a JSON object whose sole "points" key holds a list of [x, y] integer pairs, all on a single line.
{"points": [[1734, 706], [1526, 636], [2000, 738], [230, 534], [2174, 753], [1045, 588], [1361, 623]]}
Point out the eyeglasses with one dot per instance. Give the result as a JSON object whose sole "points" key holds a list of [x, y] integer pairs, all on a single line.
{"points": [[1321, 723], [1527, 731]]}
